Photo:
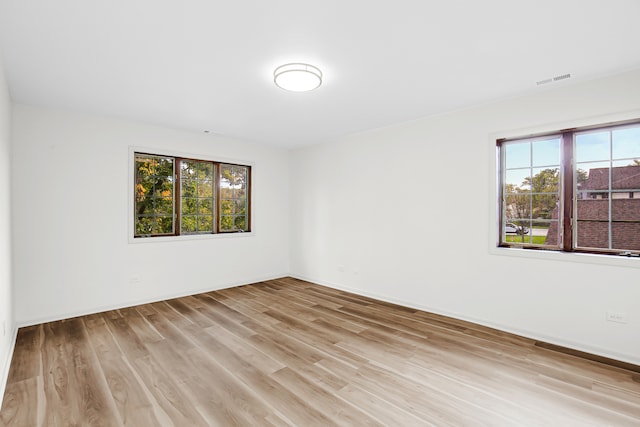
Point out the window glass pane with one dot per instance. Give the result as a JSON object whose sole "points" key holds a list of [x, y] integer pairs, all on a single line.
{"points": [[226, 175], [163, 225], [592, 234], [625, 176], [580, 175], [240, 193], [196, 193], [205, 188], [205, 223], [593, 207], [188, 223], [240, 222], [144, 225], [226, 222], [544, 206], [624, 236], [593, 178], [234, 181], [517, 207], [545, 180], [241, 174], [241, 206], [145, 210], [205, 206], [592, 146], [225, 191], [625, 209], [154, 189], [626, 143], [546, 152], [226, 207], [189, 206], [546, 232], [188, 169], [163, 206], [205, 171], [517, 154], [517, 178], [188, 187], [517, 231]]}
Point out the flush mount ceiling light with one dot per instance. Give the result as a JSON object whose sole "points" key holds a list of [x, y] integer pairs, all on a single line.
{"points": [[297, 77]]}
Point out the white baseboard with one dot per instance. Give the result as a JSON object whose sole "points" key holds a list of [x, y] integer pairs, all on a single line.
{"points": [[7, 364], [163, 297]]}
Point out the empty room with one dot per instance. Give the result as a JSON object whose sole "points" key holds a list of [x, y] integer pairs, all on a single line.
{"points": [[295, 213]]}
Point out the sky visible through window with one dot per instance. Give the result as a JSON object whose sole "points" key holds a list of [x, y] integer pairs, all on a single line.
{"points": [[594, 149]]}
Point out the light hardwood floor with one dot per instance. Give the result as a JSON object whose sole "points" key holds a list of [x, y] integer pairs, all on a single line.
{"points": [[288, 352]]}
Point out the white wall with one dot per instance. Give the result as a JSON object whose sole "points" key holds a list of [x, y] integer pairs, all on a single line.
{"points": [[7, 328], [71, 191], [330, 220], [407, 214]]}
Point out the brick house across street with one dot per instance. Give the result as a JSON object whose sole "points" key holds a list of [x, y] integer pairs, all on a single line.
{"points": [[596, 200]]}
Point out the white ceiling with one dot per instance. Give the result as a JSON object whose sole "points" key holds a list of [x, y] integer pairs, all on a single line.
{"points": [[208, 64]]}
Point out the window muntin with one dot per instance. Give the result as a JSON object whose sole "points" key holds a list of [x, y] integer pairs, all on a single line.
{"points": [[574, 191], [178, 196]]}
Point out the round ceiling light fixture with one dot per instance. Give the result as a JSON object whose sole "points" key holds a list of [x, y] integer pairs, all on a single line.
{"points": [[297, 77]]}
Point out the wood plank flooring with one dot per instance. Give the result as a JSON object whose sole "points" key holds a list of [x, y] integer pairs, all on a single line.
{"points": [[291, 353]]}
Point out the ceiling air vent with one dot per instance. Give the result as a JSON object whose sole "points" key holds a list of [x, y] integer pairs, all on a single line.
{"points": [[553, 79], [562, 77]]}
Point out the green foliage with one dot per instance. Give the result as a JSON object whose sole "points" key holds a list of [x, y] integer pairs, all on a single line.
{"points": [[226, 207], [581, 177], [226, 223], [154, 195], [196, 193], [188, 224], [536, 197], [240, 222], [233, 197], [545, 181]]}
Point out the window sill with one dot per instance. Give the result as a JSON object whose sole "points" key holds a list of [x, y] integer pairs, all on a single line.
{"points": [[585, 258], [190, 237]]}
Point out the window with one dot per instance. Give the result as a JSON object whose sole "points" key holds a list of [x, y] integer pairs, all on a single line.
{"points": [[572, 190], [178, 196]]}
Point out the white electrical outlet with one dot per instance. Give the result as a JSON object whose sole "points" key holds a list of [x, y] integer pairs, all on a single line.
{"points": [[617, 317]]}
